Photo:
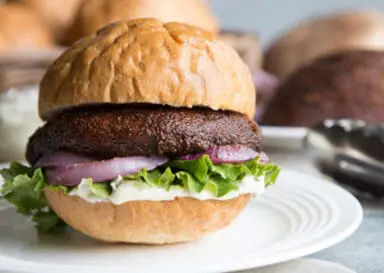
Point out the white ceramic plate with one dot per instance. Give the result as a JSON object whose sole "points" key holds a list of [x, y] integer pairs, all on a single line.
{"points": [[298, 216], [302, 266]]}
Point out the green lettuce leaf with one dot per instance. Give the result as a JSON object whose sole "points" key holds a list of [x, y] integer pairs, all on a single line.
{"points": [[199, 174], [24, 186]]}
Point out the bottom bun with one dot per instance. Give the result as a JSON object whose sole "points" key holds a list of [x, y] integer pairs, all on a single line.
{"points": [[148, 222]]}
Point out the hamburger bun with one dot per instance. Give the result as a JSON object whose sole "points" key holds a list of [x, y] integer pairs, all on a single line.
{"points": [[21, 29], [324, 35], [57, 14], [95, 14], [343, 85], [148, 61], [149, 222]]}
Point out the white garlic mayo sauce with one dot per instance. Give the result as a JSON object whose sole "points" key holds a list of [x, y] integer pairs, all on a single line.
{"points": [[131, 191]]}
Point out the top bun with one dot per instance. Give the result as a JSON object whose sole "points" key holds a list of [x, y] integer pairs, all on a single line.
{"points": [[148, 61], [57, 14], [94, 14], [323, 36], [20, 29]]}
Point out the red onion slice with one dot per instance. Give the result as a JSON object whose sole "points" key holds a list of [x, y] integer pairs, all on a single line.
{"points": [[60, 159], [229, 154], [100, 171]]}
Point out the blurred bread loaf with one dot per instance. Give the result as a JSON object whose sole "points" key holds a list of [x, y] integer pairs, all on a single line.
{"points": [[94, 14], [57, 14], [325, 35], [21, 29], [247, 45]]}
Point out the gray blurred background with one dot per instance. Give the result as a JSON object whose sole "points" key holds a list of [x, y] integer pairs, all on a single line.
{"points": [[271, 17]]}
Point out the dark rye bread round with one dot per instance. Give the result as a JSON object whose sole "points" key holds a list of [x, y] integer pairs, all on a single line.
{"points": [[344, 85], [108, 131]]}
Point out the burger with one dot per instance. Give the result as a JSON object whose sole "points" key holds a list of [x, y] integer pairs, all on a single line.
{"points": [[342, 85], [148, 137], [310, 40]]}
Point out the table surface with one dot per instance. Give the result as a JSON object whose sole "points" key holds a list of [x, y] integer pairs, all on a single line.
{"points": [[364, 250]]}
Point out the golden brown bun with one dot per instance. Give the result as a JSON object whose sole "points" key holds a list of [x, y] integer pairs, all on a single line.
{"points": [[148, 61], [149, 222], [323, 36], [94, 14], [20, 29], [57, 14]]}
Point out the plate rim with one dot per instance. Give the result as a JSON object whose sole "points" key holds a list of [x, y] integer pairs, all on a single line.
{"points": [[288, 132], [282, 138], [324, 244]]}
